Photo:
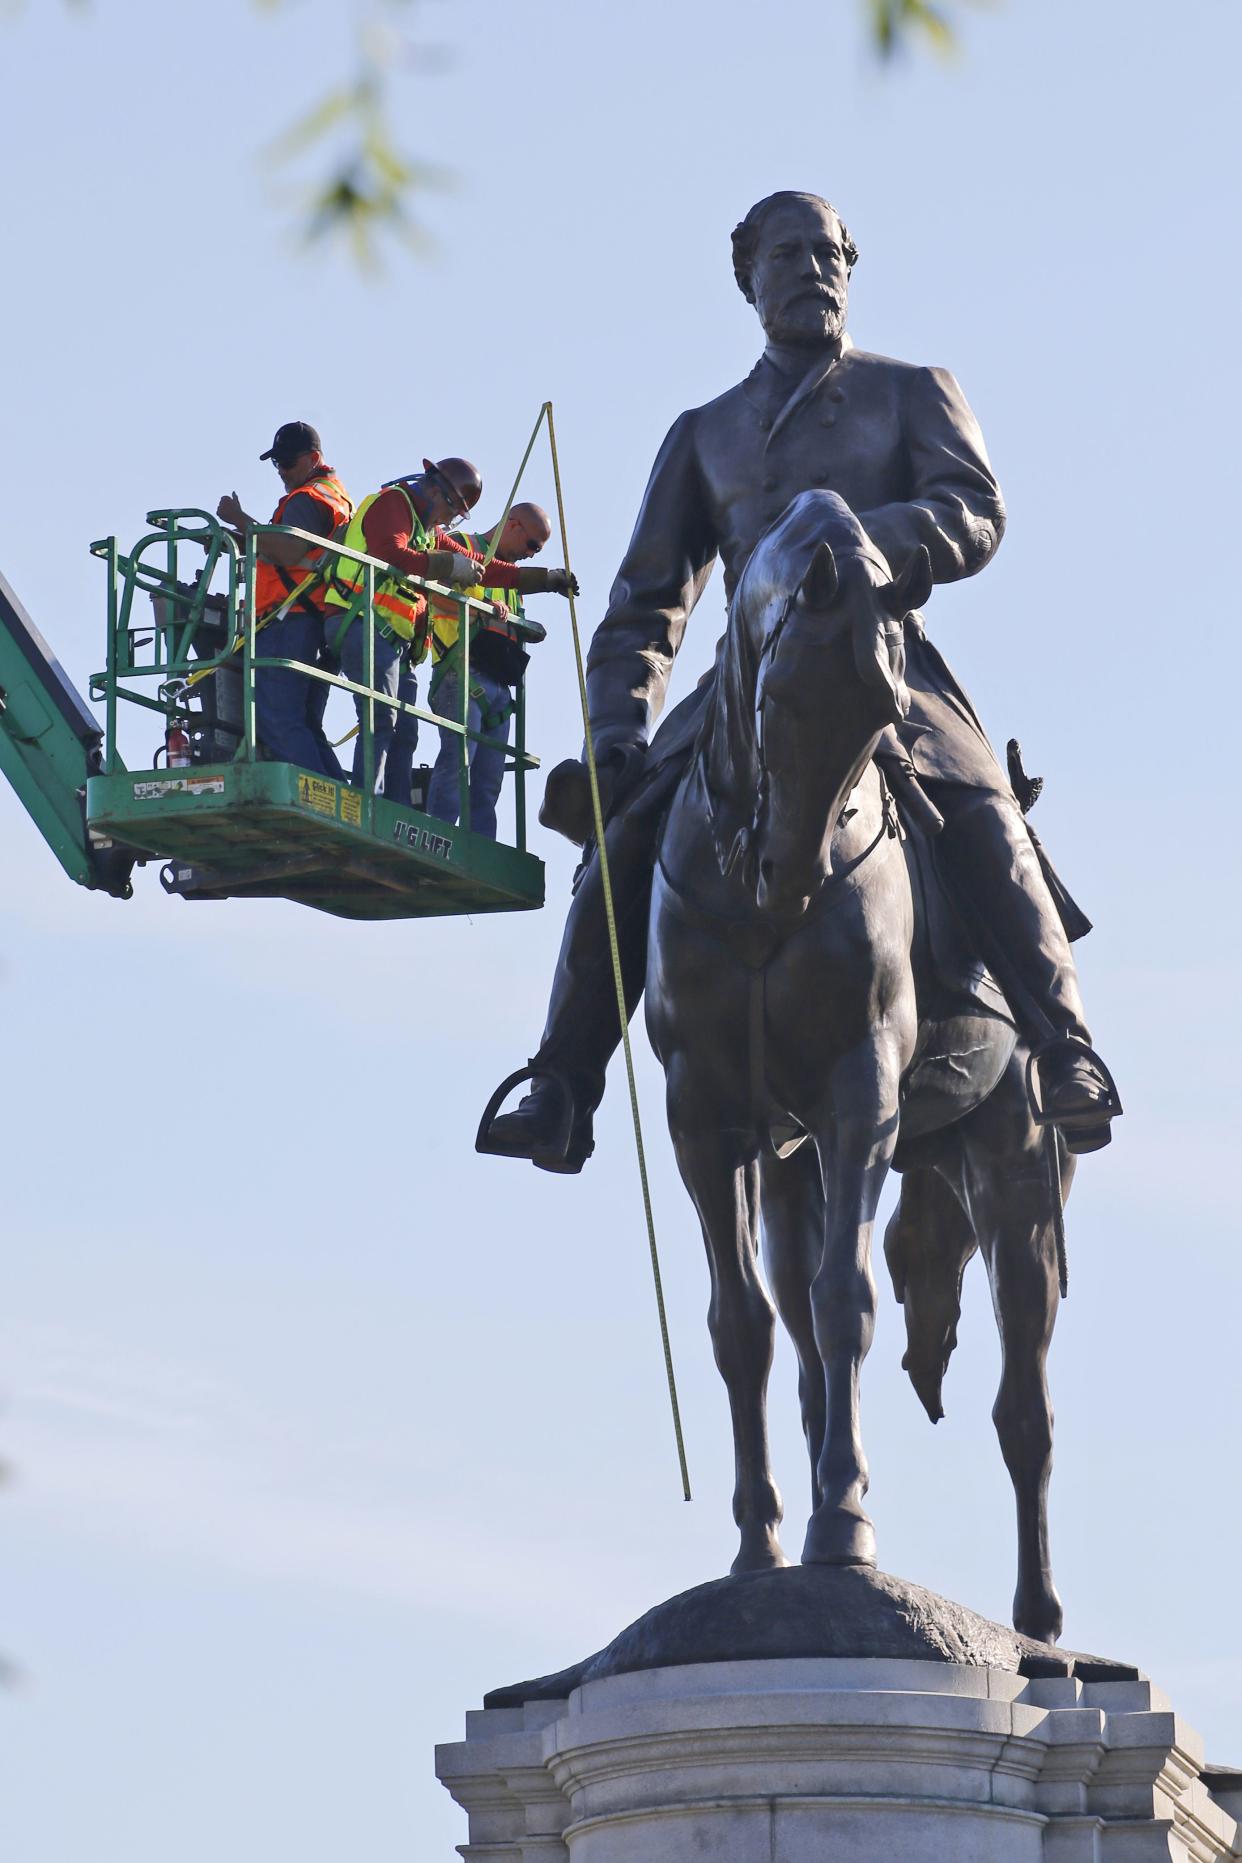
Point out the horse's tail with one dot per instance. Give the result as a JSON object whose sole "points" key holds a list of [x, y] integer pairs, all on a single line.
{"points": [[927, 1245]]}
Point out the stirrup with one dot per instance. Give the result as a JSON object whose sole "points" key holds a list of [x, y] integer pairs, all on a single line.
{"points": [[1110, 1106], [558, 1145]]}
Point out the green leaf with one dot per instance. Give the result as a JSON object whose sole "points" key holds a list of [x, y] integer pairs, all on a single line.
{"points": [[335, 108], [895, 23]]}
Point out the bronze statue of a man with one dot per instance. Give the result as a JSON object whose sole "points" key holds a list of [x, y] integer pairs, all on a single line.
{"points": [[900, 445]]}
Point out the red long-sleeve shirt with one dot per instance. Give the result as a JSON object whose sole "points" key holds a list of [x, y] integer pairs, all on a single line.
{"points": [[386, 528]]}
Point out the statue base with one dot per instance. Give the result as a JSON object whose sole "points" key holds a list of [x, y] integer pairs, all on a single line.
{"points": [[1001, 1751]]}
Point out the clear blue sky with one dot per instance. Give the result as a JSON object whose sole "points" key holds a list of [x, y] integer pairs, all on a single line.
{"points": [[320, 1425]]}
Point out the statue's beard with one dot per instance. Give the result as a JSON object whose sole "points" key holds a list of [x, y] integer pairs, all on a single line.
{"points": [[811, 318]]}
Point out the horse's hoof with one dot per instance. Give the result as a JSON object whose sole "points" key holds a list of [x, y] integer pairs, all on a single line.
{"points": [[835, 1537], [1038, 1615], [761, 1554]]}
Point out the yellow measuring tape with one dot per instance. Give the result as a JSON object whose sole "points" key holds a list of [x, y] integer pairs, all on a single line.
{"points": [[601, 847]]}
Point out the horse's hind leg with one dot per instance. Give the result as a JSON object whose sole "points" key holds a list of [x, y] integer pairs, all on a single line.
{"points": [[741, 1316], [1010, 1196], [792, 1204]]}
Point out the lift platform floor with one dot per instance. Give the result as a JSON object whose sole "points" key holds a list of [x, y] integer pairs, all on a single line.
{"points": [[272, 831]]}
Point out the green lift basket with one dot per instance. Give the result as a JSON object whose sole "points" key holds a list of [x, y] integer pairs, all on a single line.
{"points": [[225, 823]]}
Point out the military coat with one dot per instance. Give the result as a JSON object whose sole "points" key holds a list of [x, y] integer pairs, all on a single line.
{"points": [[897, 442]]}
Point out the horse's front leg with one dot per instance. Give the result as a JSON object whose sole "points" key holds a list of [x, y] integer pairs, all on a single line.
{"points": [[792, 1205], [856, 1139], [741, 1317]]}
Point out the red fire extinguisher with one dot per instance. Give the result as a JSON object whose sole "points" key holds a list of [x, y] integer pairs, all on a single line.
{"points": [[177, 746], [177, 749]]}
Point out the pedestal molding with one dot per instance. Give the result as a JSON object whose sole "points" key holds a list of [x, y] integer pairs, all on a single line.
{"points": [[975, 1765]]}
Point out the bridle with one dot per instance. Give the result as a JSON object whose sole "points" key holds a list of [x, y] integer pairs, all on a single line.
{"points": [[747, 838]]}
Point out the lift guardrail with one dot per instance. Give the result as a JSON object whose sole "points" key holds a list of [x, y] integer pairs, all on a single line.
{"points": [[179, 671]]}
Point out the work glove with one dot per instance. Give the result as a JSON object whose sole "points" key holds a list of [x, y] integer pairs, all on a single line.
{"points": [[537, 581], [453, 569]]}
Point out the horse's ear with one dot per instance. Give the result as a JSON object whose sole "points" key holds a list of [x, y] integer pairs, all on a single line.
{"points": [[913, 586], [819, 585]]}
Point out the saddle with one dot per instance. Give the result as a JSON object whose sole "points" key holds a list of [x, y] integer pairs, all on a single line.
{"points": [[957, 1062], [950, 976]]}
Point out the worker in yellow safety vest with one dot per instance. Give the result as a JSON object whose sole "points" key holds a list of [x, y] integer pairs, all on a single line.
{"points": [[289, 595], [405, 525], [497, 664]]}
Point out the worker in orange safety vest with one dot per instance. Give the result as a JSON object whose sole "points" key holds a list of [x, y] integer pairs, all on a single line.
{"points": [[289, 597]]}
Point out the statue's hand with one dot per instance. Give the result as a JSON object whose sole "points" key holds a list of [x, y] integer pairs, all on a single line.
{"points": [[567, 804], [620, 769]]}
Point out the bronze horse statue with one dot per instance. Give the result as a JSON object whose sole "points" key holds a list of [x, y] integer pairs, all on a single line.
{"points": [[809, 1044]]}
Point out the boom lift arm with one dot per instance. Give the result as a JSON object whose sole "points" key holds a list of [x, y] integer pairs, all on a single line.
{"points": [[50, 743]]}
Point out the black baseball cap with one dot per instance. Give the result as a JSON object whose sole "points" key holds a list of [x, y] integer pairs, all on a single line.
{"points": [[293, 439]]}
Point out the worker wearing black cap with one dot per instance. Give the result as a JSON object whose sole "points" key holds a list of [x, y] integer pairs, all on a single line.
{"points": [[289, 599]]}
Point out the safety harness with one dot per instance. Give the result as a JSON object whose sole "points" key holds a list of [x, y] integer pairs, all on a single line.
{"points": [[447, 651]]}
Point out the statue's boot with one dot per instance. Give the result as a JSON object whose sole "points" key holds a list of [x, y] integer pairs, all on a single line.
{"points": [[553, 1126], [549, 1125], [993, 870]]}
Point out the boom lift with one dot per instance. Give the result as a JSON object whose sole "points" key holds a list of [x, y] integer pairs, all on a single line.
{"points": [[50, 747], [225, 823]]}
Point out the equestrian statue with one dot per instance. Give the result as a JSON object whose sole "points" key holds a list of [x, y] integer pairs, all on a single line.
{"points": [[855, 952]]}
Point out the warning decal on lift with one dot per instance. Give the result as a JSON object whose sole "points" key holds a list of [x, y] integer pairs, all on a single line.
{"points": [[188, 785], [351, 806], [318, 793]]}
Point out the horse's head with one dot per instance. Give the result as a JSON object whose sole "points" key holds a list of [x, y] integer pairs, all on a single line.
{"points": [[825, 617]]}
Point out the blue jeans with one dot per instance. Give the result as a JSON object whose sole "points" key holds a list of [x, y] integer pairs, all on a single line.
{"points": [[487, 761], [283, 699], [387, 676], [400, 767], [316, 707]]}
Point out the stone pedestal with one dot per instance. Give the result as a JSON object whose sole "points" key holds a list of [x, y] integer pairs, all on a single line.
{"points": [[853, 1759]]}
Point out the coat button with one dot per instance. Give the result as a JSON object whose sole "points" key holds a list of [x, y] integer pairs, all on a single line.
{"points": [[823, 478], [765, 425], [827, 420], [769, 485]]}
